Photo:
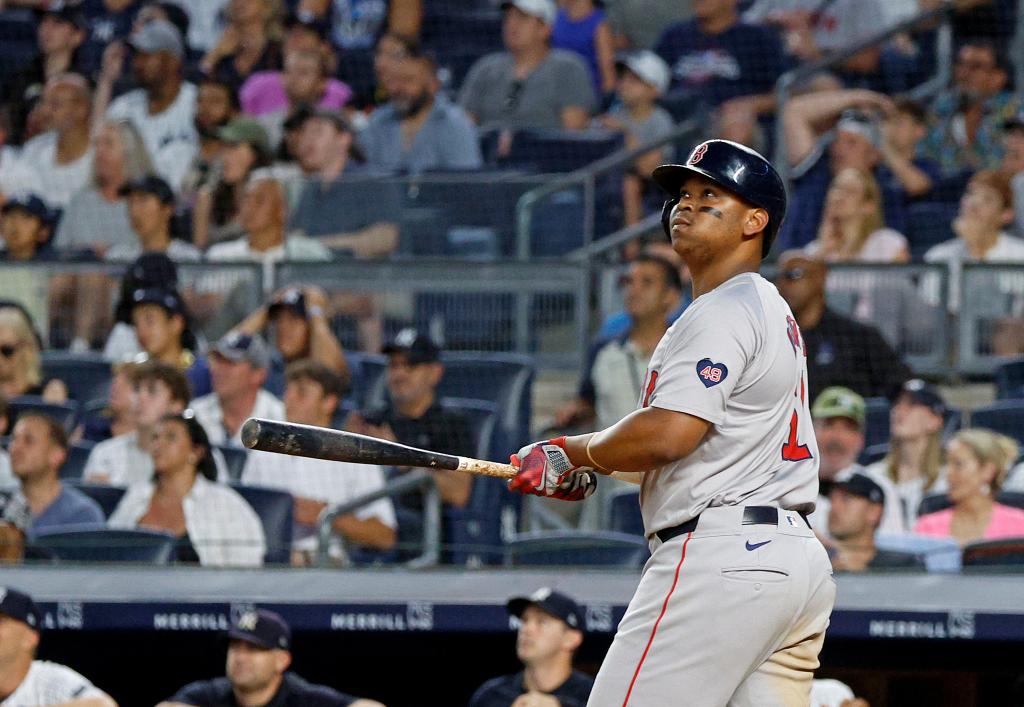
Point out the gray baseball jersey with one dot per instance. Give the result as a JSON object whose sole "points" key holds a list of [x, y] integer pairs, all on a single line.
{"points": [[735, 358]]}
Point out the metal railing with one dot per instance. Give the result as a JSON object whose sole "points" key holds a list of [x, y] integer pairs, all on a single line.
{"points": [[991, 316]]}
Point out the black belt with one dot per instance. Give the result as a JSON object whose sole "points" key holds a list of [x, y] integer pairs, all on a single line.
{"points": [[752, 515]]}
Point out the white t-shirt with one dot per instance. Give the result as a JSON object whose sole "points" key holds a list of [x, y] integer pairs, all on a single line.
{"points": [[954, 253], [7, 478], [170, 136], [211, 417], [883, 246], [736, 359], [57, 182], [118, 461], [16, 177], [205, 22], [909, 494], [295, 247], [50, 684], [893, 521], [326, 481]]}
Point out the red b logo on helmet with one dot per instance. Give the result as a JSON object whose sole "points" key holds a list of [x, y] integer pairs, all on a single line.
{"points": [[698, 153]]}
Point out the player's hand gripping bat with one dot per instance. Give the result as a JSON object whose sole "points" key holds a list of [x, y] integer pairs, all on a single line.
{"points": [[335, 445]]}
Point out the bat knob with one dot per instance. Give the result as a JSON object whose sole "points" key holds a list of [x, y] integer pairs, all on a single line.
{"points": [[251, 432]]}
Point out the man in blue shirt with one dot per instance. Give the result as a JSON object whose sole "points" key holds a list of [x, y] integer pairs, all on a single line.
{"points": [[38, 448]]}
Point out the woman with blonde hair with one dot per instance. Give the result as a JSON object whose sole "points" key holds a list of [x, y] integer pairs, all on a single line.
{"points": [[852, 227], [21, 371], [978, 460]]}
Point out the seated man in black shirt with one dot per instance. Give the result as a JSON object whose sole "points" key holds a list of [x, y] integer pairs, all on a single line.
{"points": [[856, 507], [550, 631], [840, 351], [257, 672]]}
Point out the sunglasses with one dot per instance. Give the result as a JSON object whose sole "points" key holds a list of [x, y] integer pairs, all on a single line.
{"points": [[793, 274], [515, 90], [8, 350]]}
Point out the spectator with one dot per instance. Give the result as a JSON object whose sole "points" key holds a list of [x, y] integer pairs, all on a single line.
{"points": [[966, 119], [96, 219], [244, 149], [986, 210], [419, 130], [619, 323], [162, 327], [238, 365], [356, 24], [852, 228], [26, 224], [118, 415], [38, 448], [301, 330], [638, 24], [20, 365], [169, 11], [106, 21], [151, 212], [213, 524], [914, 461], [59, 35], [642, 79], [1013, 164], [62, 156], [724, 65], [150, 271], [839, 416], [342, 205], [903, 130], [263, 214], [529, 85], [311, 397], [15, 518], [840, 351], [259, 658], [390, 51], [163, 108], [978, 460], [413, 414], [549, 633], [159, 389], [205, 22], [216, 105], [28, 681], [857, 505], [16, 177], [581, 27], [271, 96], [249, 43]]}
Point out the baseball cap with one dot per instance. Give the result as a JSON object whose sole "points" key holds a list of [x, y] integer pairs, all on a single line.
{"points": [[419, 347], [263, 628], [237, 347], [648, 66], [158, 36], [293, 299], [837, 401], [543, 10], [548, 600], [246, 131], [168, 299], [855, 121], [20, 606], [149, 184], [923, 393], [66, 13], [861, 485], [31, 205]]}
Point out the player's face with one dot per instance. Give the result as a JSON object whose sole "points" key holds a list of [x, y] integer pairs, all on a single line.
{"points": [[305, 402], [33, 453], [708, 220], [645, 292], [967, 475], [291, 334], [153, 400], [251, 668], [158, 332], [840, 442], [542, 637], [849, 515], [910, 420]]}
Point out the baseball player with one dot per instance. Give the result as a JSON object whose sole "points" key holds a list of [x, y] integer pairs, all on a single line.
{"points": [[733, 604]]}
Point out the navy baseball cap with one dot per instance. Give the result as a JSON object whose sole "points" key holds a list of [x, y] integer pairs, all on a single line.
{"points": [[149, 184], [31, 205], [861, 485], [20, 606], [559, 605], [293, 299], [236, 347], [63, 12], [418, 347], [922, 393], [262, 628], [168, 299]]}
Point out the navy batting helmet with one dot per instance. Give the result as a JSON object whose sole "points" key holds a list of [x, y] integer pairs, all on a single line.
{"points": [[738, 169]]}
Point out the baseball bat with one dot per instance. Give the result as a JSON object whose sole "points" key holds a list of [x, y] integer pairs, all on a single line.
{"points": [[335, 445]]}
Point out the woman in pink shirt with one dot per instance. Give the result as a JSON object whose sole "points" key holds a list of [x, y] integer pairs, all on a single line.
{"points": [[977, 462]]}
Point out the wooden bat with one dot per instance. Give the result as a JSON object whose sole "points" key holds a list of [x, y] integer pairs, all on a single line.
{"points": [[335, 445]]}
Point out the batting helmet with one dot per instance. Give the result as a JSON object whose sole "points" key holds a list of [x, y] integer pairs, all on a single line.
{"points": [[738, 169]]}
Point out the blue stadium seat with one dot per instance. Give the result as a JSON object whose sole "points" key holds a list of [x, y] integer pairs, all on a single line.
{"points": [[501, 378], [932, 503], [106, 545], [107, 496], [64, 413], [874, 453], [939, 554], [367, 372], [468, 321], [95, 424], [78, 455], [86, 375], [571, 548], [876, 421], [276, 511], [928, 224], [1005, 416], [1009, 379], [234, 459], [546, 150], [1011, 498], [990, 554], [624, 512]]}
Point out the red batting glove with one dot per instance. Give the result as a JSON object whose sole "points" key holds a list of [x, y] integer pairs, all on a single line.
{"points": [[545, 470]]}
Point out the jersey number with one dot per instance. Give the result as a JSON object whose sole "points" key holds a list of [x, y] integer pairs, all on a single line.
{"points": [[792, 450]]}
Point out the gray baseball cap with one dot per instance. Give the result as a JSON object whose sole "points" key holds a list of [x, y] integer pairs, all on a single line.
{"points": [[236, 347], [543, 10], [158, 36], [648, 67]]}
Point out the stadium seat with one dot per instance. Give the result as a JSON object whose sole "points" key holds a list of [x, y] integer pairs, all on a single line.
{"points": [[570, 548], [94, 421], [1011, 498], [78, 455], [276, 511], [64, 413], [86, 375], [547, 150], [874, 453], [939, 554], [932, 503], [107, 496], [234, 459], [468, 320], [500, 378], [106, 545], [623, 512], [367, 371], [876, 421], [928, 224], [1005, 416], [1005, 552], [1009, 379]]}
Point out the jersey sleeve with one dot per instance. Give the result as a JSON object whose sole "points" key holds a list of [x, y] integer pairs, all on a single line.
{"points": [[704, 360]]}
